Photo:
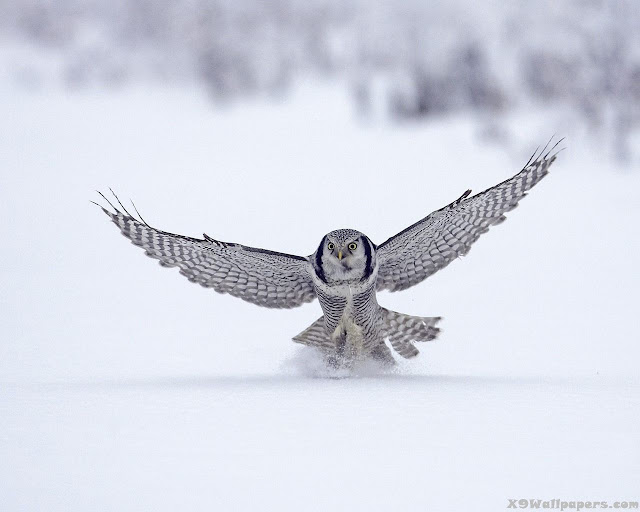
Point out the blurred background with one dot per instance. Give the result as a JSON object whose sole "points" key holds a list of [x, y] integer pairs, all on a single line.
{"points": [[124, 387], [399, 61]]}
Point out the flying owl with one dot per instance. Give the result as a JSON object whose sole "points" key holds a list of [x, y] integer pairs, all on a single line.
{"points": [[345, 272]]}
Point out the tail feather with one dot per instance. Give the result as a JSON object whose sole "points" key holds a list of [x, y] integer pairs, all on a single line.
{"points": [[316, 336], [403, 329]]}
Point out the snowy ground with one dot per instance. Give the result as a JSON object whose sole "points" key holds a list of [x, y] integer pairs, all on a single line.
{"points": [[124, 387]]}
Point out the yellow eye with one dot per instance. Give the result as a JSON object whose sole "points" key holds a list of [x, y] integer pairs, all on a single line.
{"points": [[353, 246], [331, 246]]}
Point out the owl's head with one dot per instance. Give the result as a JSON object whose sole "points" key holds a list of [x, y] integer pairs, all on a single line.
{"points": [[345, 255]]}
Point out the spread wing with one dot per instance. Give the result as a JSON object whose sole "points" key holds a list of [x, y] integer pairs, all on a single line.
{"points": [[435, 241], [265, 278]]}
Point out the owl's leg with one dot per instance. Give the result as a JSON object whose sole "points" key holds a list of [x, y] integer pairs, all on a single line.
{"points": [[341, 357], [333, 361]]}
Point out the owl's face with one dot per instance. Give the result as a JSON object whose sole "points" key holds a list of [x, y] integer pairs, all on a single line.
{"points": [[345, 254]]}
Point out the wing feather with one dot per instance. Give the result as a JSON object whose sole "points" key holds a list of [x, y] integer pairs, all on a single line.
{"points": [[435, 241], [266, 278]]}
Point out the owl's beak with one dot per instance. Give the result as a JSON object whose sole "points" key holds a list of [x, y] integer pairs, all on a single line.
{"points": [[340, 255]]}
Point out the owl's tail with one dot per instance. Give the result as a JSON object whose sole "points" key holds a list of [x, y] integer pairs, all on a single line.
{"points": [[402, 330], [316, 336]]}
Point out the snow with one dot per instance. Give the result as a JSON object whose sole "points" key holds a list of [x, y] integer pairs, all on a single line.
{"points": [[124, 387]]}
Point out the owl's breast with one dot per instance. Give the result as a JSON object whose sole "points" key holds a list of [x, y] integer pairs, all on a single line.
{"points": [[351, 318]]}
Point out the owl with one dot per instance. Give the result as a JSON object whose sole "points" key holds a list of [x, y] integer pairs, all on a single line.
{"points": [[346, 270]]}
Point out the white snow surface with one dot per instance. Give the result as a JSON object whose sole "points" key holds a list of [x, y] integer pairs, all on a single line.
{"points": [[124, 387]]}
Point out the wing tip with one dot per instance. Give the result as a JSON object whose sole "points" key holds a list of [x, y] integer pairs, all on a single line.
{"points": [[546, 155], [117, 212], [101, 207]]}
